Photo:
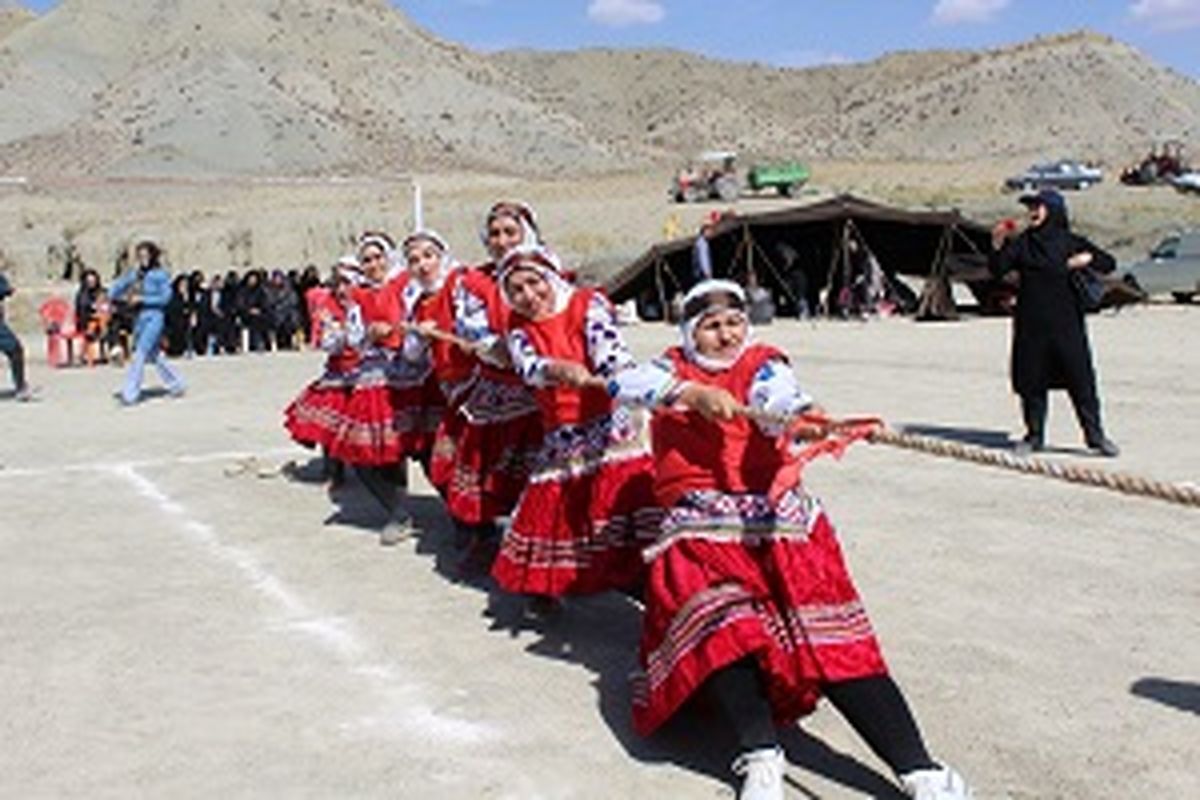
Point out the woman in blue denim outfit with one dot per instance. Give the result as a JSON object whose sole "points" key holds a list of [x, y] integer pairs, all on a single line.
{"points": [[149, 289]]}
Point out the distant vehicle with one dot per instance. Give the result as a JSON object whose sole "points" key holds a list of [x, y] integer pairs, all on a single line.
{"points": [[1056, 175], [787, 178], [709, 176], [715, 176], [1162, 165], [1173, 268], [1188, 182]]}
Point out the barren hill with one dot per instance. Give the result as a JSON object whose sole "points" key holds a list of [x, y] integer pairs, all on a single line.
{"points": [[262, 86], [319, 87], [12, 16], [1080, 93]]}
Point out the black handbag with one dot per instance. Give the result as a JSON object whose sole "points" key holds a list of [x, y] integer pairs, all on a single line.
{"points": [[1088, 287]]}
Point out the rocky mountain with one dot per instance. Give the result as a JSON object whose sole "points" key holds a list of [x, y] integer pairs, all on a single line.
{"points": [[13, 15], [318, 87], [1081, 93], [263, 86]]}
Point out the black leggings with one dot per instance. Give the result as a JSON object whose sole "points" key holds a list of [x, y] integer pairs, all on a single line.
{"points": [[873, 706], [379, 482]]}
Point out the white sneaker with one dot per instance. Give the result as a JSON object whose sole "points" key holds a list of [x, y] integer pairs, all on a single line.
{"points": [[396, 532], [941, 783], [761, 772]]}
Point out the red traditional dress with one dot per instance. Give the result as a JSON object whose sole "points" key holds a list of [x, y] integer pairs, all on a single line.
{"points": [[456, 372], [487, 441], [368, 435], [589, 506], [315, 416], [733, 575], [417, 396]]}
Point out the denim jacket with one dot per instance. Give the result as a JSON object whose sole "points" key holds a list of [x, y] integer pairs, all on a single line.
{"points": [[155, 290]]}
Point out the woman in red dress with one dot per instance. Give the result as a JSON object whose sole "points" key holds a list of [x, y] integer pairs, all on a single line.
{"points": [[749, 602], [492, 429], [420, 403], [314, 417], [369, 438], [589, 505]]}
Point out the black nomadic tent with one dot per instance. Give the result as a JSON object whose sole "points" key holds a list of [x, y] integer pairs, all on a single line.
{"points": [[806, 254]]}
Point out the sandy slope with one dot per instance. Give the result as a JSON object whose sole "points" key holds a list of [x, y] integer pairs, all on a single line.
{"points": [[185, 87]]}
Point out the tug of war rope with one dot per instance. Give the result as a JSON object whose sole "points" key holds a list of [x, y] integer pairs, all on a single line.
{"points": [[834, 436]]}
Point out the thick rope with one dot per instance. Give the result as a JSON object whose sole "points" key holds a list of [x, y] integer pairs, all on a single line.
{"points": [[1071, 473], [838, 434], [817, 428]]}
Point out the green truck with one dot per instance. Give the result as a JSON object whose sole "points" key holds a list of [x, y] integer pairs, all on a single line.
{"points": [[787, 177]]}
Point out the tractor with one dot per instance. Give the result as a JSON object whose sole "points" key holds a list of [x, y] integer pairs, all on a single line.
{"points": [[709, 176], [714, 176]]}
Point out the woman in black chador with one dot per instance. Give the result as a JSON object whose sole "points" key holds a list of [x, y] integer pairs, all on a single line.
{"points": [[1050, 341]]}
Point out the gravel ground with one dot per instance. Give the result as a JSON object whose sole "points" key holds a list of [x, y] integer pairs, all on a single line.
{"points": [[176, 621]]}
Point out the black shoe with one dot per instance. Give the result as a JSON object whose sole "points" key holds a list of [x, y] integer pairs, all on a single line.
{"points": [[1105, 447], [542, 607], [477, 561]]}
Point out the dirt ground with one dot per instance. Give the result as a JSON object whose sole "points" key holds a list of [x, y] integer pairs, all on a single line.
{"points": [[176, 621]]}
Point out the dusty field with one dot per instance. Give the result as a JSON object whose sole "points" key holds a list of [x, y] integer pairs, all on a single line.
{"points": [[169, 630]]}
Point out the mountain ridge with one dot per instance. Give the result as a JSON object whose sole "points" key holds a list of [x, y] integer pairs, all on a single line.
{"points": [[314, 87]]}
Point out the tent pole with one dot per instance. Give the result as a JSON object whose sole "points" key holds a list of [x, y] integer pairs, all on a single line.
{"points": [[662, 292], [839, 237], [958, 232], [748, 245], [775, 271]]}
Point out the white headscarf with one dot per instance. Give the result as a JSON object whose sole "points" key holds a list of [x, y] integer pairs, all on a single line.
{"points": [[543, 261], [701, 300], [395, 260], [414, 290], [525, 216], [348, 267]]}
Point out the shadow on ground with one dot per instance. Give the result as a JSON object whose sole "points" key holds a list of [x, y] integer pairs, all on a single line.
{"points": [[981, 437], [993, 440], [599, 633], [1180, 695]]}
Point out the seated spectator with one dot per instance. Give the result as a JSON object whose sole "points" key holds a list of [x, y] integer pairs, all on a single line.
{"points": [[92, 314]]}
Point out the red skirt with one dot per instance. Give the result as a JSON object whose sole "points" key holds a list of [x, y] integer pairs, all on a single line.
{"points": [[484, 450], [418, 412], [367, 435], [589, 509], [314, 417], [733, 578], [445, 437]]}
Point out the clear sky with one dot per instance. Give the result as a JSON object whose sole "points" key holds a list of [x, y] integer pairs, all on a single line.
{"points": [[805, 32]]}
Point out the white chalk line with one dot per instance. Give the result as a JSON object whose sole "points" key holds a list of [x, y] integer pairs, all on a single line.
{"points": [[404, 710], [166, 461]]}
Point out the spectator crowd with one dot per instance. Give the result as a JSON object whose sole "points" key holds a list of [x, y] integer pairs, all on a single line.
{"points": [[218, 314]]}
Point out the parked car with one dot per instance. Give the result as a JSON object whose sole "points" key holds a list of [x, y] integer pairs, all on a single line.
{"points": [[1173, 268], [1056, 175], [1188, 182]]}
